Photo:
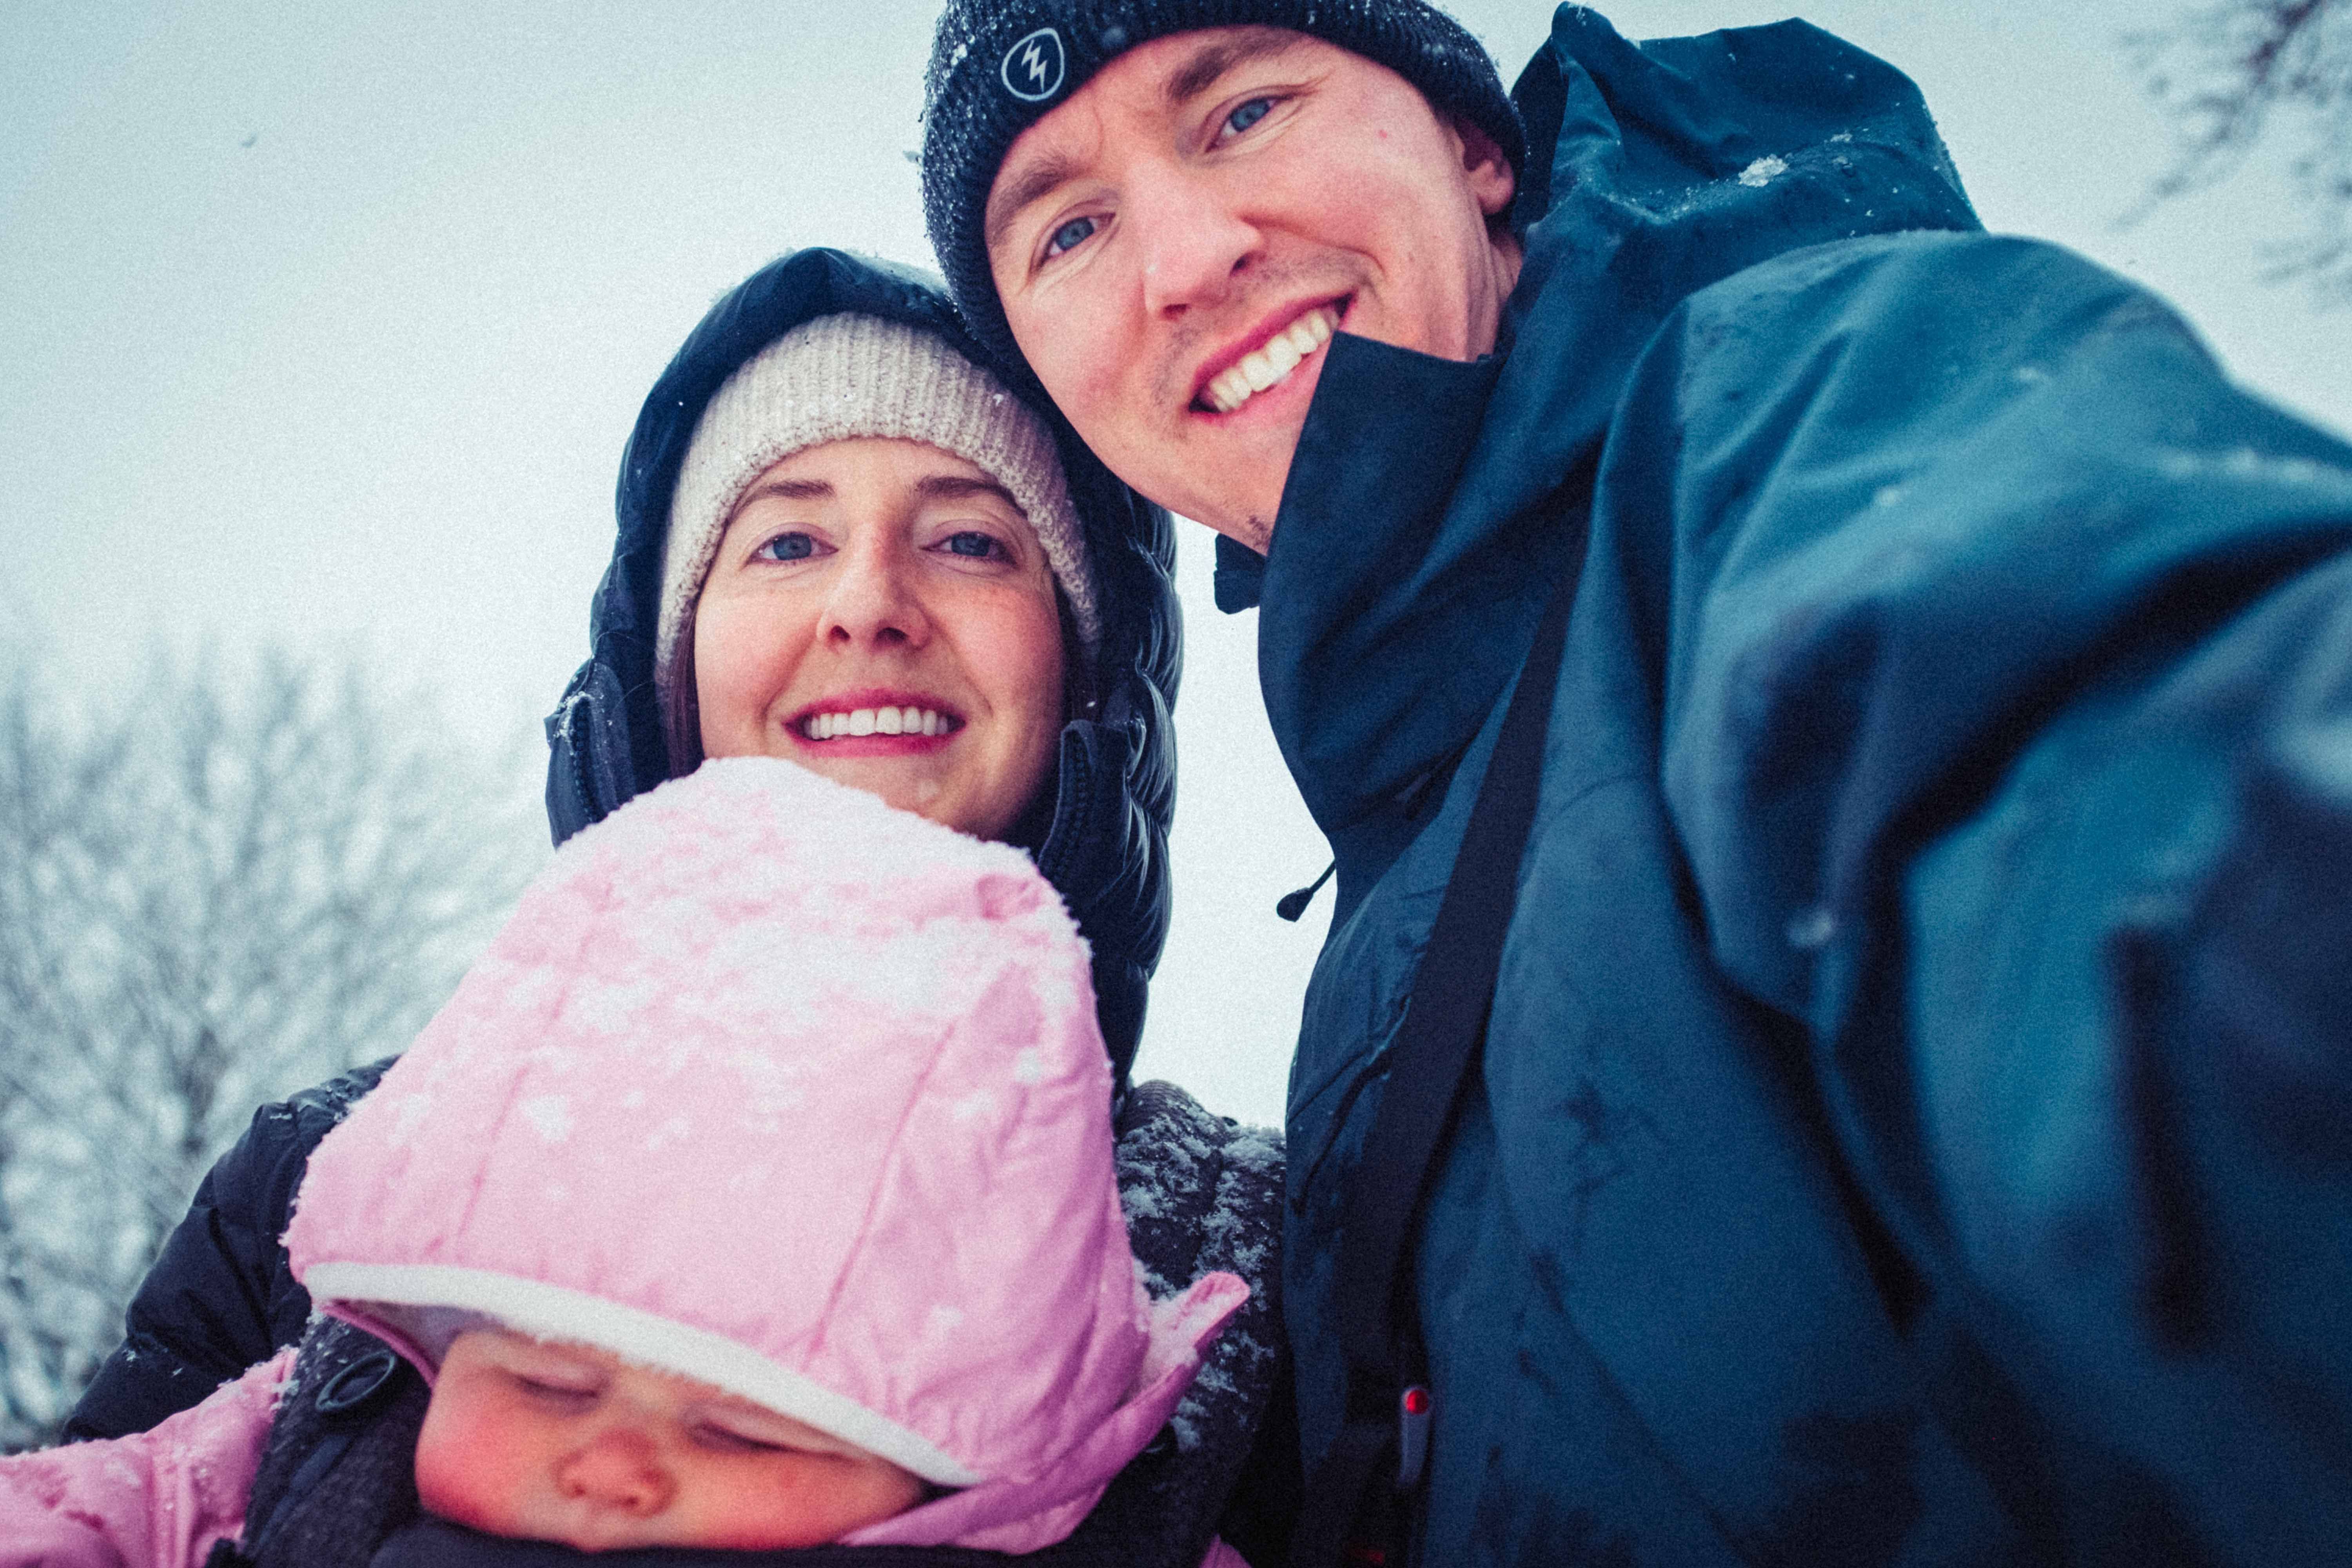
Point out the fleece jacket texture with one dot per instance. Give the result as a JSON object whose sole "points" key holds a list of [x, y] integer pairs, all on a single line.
{"points": [[1912, 1121]]}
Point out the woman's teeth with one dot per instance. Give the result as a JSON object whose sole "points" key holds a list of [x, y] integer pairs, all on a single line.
{"points": [[1271, 365], [874, 721]]}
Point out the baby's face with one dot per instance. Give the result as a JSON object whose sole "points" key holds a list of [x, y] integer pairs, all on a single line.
{"points": [[558, 1442]]}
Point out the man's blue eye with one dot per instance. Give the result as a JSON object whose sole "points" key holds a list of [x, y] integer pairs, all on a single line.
{"points": [[975, 545], [1249, 114], [787, 547], [1070, 235]]}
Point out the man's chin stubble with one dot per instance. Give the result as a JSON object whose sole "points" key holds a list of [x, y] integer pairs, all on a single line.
{"points": [[1254, 532]]}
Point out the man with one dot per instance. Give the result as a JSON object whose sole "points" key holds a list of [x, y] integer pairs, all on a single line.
{"points": [[1913, 1118]]}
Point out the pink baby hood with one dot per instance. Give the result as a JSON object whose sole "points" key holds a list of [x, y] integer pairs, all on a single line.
{"points": [[770, 1085]]}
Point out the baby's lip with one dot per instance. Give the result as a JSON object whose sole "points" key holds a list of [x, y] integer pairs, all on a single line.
{"points": [[1265, 355], [875, 711]]}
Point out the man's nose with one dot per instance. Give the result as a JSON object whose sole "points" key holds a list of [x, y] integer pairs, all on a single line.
{"points": [[1192, 241], [618, 1469], [873, 599]]}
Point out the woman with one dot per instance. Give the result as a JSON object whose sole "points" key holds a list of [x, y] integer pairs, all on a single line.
{"points": [[813, 532]]}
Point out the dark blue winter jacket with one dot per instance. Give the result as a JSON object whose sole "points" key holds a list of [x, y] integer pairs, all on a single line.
{"points": [[1915, 1121]]}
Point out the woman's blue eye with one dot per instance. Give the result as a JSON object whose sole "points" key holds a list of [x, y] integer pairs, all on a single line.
{"points": [[978, 545], [1249, 114], [787, 547], [1070, 235]]}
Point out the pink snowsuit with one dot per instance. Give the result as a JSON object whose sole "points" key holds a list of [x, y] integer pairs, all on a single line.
{"points": [[766, 1084]]}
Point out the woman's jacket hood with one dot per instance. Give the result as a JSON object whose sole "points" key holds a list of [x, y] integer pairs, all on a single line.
{"points": [[1104, 844], [770, 1085]]}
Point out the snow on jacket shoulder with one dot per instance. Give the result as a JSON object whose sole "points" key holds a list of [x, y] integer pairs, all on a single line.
{"points": [[160, 1498]]}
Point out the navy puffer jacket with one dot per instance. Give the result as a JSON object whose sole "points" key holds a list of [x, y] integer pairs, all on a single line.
{"points": [[219, 1297]]}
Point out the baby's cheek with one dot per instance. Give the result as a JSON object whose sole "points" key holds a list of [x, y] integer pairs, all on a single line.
{"points": [[470, 1469], [796, 1502]]}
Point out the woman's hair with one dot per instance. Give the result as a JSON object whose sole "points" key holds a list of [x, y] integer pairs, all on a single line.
{"points": [[834, 379]]}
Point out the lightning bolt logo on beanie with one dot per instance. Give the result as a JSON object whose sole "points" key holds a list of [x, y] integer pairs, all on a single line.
{"points": [[771, 1086], [1033, 67]]}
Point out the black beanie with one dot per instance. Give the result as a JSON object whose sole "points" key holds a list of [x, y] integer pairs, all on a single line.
{"points": [[998, 66]]}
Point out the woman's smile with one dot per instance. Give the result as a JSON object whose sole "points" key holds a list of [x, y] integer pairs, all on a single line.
{"points": [[891, 723]]}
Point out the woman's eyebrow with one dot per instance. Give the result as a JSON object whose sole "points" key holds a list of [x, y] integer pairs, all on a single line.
{"points": [[956, 487], [791, 489]]}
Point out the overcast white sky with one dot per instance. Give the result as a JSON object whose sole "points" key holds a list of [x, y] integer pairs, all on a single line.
{"points": [[326, 324]]}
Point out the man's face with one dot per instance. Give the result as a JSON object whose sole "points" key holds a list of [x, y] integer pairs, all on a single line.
{"points": [[1175, 244]]}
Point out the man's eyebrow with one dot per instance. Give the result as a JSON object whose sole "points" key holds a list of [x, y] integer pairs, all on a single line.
{"points": [[1035, 180], [1211, 60]]}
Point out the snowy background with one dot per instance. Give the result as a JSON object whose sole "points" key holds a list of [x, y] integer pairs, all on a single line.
{"points": [[324, 325]]}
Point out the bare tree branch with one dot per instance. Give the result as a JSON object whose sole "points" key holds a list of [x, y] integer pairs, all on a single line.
{"points": [[239, 885], [2245, 74]]}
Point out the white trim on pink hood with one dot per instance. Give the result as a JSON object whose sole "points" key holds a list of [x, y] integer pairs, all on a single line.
{"points": [[374, 1294]]}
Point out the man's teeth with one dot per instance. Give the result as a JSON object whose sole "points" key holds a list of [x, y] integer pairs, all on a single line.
{"points": [[1272, 364], [874, 721]]}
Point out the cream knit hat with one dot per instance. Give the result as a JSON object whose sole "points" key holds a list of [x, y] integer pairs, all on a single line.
{"points": [[831, 379]]}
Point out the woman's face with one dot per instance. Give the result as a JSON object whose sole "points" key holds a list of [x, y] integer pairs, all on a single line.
{"points": [[880, 612]]}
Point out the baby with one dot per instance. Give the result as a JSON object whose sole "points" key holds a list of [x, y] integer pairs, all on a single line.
{"points": [[755, 1191]]}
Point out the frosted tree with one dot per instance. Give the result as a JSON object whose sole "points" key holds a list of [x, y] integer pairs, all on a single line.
{"points": [[240, 884], [2264, 73]]}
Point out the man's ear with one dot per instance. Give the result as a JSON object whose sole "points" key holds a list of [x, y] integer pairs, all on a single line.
{"points": [[1488, 171]]}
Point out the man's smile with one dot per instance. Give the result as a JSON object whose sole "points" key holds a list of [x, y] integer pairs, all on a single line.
{"points": [[1266, 358]]}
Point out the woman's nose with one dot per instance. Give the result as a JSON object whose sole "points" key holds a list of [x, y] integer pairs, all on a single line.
{"points": [[873, 600], [618, 1469]]}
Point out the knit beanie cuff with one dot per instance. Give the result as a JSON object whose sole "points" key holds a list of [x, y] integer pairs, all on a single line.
{"points": [[833, 379]]}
